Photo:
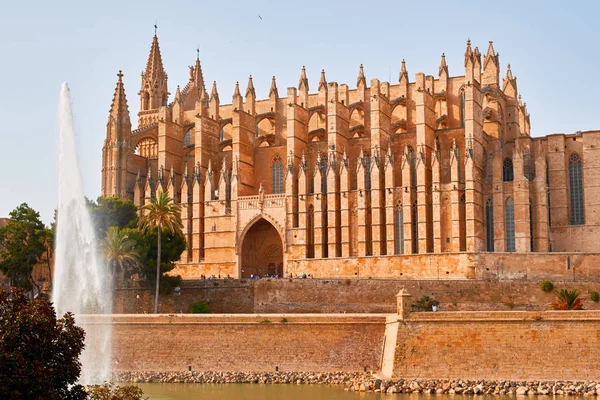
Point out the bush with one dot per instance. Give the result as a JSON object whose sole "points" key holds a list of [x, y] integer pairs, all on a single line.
{"points": [[547, 286], [200, 307], [594, 296], [567, 300], [424, 304], [39, 354], [284, 320], [109, 391]]}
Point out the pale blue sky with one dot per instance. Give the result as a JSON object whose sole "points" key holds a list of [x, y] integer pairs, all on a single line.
{"points": [[551, 46]]}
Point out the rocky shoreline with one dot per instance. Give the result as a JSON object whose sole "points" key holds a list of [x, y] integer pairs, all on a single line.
{"points": [[362, 382]]}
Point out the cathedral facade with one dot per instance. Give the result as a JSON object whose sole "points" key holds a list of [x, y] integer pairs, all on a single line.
{"points": [[430, 177]]}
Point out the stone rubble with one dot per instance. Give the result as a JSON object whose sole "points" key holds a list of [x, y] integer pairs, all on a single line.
{"points": [[362, 382]]}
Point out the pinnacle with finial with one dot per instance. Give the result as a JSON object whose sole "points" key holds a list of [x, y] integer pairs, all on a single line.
{"points": [[468, 53], [303, 82], [236, 92], [403, 73], [323, 81], [361, 77], [273, 90], [443, 65], [250, 89], [214, 93]]}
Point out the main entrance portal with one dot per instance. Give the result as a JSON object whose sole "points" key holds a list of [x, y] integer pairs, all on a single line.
{"points": [[262, 251]]}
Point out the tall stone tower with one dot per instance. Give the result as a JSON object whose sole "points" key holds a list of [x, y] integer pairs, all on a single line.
{"points": [[154, 92], [117, 145]]}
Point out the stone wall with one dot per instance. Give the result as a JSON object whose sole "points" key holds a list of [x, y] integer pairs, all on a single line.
{"points": [[247, 343], [347, 295], [551, 345]]}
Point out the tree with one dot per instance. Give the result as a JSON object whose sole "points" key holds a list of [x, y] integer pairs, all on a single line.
{"points": [[567, 300], [161, 213], [172, 245], [112, 211], [39, 355], [23, 241], [119, 251]]}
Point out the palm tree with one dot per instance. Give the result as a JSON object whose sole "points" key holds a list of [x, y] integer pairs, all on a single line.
{"points": [[163, 213], [567, 300], [119, 250]]}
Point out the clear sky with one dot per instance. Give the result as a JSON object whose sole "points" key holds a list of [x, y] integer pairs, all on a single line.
{"points": [[552, 47]]}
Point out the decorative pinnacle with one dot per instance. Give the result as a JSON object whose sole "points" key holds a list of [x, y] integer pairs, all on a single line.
{"points": [[443, 65], [250, 88], [323, 81], [361, 77], [303, 83]]}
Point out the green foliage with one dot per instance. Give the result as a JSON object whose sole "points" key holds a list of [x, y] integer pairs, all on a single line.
{"points": [[265, 321], [594, 296], [547, 286], [284, 320], [39, 355], [172, 245], [23, 241], [424, 304], [110, 391], [567, 300], [112, 211], [200, 307], [120, 252]]}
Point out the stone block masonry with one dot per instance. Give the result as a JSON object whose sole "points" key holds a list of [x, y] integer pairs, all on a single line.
{"points": [[250, 343]]}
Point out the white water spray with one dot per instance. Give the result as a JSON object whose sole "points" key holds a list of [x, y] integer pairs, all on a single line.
{"points": [[81, 282]]}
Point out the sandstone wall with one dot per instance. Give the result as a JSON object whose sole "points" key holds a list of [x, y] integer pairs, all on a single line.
{"points": [[348, 295], [550, 345], [246, 343]]}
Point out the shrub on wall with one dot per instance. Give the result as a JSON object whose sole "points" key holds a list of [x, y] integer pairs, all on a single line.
{"points": [[594, 296], [200, 307], [567, 300], [547, 286], [424, 304]]}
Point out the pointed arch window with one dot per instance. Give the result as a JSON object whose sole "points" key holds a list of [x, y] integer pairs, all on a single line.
{"points": [[507, 170], [221, 134], [462, 108], [489, 224], [413, 169], [548, 195], [310, 232], [510, 225], [367, 165], [576, 190], [399, 229], [415, 228], [187, 138], [277, 175], [146, 101]]}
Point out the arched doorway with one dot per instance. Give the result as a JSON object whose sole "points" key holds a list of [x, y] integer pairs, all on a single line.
{"points": [[262, 251]]}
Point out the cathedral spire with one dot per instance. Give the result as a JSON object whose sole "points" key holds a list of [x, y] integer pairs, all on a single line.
{"points": [[403, 78], [490, 56], [214, 94], [303, 82], [323, 81], [177, 94], [273, 90], [154, 91], [198, 77], [443, 65], [119, 109], [237, 101], [361, 80]]}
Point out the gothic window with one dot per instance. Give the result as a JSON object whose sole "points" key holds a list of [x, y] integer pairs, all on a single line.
{"points": [[548, 195], [507, 170], [277, 175], [147, 148], [221, 134], [310, 232], [528, 167], [510, 225], [187, 138], [146, 101], [531, 241], [462, 109], [415, 228], [399, 229], [489, 224], [165, 99], [576, 190]]}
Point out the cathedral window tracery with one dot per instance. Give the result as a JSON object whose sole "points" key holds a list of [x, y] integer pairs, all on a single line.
{"points": [[399, 229], [310, 232], [507, 170], [489, 227], [576, 190], [277, 175], [510, 225]]}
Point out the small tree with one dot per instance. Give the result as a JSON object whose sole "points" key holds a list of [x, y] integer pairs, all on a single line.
{"points": [[39, 355], [567, 300], [161, 213], [119, 251], [112, 211], [23, 241]]}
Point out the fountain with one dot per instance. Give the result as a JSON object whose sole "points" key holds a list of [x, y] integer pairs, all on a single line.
{"points": [[81, 281]]}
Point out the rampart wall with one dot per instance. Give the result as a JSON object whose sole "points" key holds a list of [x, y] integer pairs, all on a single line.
{"points": [[550, 345]]}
